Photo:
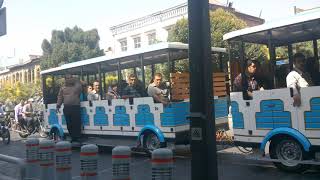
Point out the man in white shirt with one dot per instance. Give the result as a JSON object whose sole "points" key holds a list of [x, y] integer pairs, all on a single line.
{"points": [[297, 78], [94, 95]]}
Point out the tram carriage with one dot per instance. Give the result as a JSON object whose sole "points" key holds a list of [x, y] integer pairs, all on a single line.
{"points": [[135, 122], [269, 123]]}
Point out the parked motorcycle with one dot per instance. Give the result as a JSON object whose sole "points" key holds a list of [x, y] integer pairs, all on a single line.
{"points": [[36, 125]]}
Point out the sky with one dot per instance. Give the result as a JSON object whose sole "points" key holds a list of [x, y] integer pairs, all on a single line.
{"points": [[31, 21]]}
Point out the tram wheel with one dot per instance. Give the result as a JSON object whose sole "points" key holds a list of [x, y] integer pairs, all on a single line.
{"points": [[151, 142], [287, 149]]}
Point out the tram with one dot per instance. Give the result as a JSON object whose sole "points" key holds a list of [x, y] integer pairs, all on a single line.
{"points": [[268, 122], [135, 122]]}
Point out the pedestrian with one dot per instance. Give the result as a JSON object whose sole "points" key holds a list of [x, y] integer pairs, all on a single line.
{"points": [[69, 95]]}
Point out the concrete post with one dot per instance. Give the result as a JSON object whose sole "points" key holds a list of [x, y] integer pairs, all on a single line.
{"points": [[46, 160], [63, 160], [89, 162], [121, 163], [162, 164], [32, 163]]}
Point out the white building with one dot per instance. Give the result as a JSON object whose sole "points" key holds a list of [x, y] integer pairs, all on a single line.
{"points": [[154, 28]]}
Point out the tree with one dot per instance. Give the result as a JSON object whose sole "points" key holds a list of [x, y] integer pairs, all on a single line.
{"points": [[70, 45], [221, 22]]}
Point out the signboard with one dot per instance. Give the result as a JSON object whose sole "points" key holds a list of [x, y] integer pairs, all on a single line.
{"points": [[196, 134], [3, 22]]}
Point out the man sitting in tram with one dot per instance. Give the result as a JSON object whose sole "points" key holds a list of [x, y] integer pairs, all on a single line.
{"points": [[250, 84], [134, 88], [94, 95], [113, 92], [297, 78], [155, 91]]}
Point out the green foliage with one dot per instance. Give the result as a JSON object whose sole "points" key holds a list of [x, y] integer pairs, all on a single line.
{"points": [[221, 22], [68, 46], [19, 91]]}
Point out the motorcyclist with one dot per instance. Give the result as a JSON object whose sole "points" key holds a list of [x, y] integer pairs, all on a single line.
{"points": [[27, 113]]}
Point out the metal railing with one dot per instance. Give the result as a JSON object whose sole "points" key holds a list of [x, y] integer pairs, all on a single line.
{"points": [[17, 161]]}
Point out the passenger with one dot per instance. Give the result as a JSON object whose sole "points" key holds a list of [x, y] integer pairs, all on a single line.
{"points": [[18, 111], [94, 95], [69, 95], [312, 67], [113, 92], [297, 78], [155, 91], [84, 93], [89, 88], [27, 112], [134, 88], [251, 84]]}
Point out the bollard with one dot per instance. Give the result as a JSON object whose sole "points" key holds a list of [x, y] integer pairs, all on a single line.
{"points": [[46, 160], [32, 163], [162, 164], [121, 163], [63, 160], [89, 162]]}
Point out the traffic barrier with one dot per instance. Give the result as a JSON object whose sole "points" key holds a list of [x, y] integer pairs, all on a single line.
{"points": [[121, 156], [46, 159], [89, 162], [32, 163], [63, 160], [162, 164]]}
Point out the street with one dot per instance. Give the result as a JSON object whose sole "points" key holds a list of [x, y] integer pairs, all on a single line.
{"points": [[232, 165]]}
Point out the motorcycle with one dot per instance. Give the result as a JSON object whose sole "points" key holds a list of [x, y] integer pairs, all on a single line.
{"points": [[35, 125], [4, 130]]}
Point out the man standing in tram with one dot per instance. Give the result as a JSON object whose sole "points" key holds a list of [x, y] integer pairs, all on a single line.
{"points": [[297, 78], [69, 95], [250, 83]]}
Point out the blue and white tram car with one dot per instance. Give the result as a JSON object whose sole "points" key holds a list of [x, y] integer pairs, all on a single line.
{"points": [[136, 122], [287, 135]]}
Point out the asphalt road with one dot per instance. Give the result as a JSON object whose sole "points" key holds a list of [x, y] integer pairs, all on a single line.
{"points": [[232, 165]]}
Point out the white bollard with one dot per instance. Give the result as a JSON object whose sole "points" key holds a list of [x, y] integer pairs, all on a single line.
{"points": [[162, 164], [46, 160], [89, 162], [32, 163], [121, 163], [63, 160]]}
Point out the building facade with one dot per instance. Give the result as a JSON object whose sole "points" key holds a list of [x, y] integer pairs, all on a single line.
{"points": [[27, 72], [154, 28]]}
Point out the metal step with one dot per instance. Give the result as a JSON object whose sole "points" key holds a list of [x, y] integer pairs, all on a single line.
{"points": [[268, 159]]}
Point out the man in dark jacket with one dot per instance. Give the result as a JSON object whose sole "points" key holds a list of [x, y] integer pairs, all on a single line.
{"points": [[69, 95]]}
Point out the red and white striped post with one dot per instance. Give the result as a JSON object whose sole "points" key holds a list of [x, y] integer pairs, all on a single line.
{"points": [[121, 156], [162, 164], [63, 160], [46, 159], [89, 162], [32, 163]]}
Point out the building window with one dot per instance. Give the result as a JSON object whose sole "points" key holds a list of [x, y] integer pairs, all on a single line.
{"points": [[152, 38], [137, 42], [123, 44]]}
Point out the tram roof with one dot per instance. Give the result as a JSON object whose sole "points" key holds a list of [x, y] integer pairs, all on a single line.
{"points": [[148, 53], [304, 26]]}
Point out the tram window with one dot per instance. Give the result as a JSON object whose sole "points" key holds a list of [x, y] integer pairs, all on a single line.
{"points": [[182, 65], [147, 74]]}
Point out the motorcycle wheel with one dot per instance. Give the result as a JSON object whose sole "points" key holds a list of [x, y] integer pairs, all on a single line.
{"points": [[23, 135], [6, 136], [42, 131]]}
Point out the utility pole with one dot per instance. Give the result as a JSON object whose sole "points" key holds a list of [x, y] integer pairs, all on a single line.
{"points": [[203, 139], [3, 22]]}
